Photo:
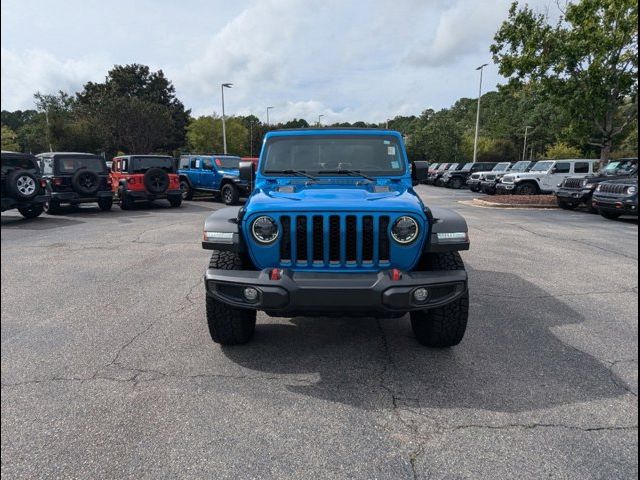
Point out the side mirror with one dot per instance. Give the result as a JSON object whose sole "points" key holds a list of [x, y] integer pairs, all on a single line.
{"points": [[554, 170], [419, 172], [248, 173]]}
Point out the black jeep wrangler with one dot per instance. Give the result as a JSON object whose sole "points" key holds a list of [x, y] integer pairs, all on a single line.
{"points": [[75, 178], [576, 191], [22, 184], [458, 179], [616, 198]]}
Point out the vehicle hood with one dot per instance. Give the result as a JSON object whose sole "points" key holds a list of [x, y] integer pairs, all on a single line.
{"points": [[624, 181], [331, 197], [526, 175]]}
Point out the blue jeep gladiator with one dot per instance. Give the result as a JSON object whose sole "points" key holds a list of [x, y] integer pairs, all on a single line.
{"points": [[333, 227], [213, 174]]}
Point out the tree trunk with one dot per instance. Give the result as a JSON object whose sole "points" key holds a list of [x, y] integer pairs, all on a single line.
{"points": [[605, 152]]}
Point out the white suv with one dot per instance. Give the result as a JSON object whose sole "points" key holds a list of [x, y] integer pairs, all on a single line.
{"points": [[546, 176]]}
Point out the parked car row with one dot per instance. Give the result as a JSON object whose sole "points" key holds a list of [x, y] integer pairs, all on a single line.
{"points": [[612, 191], [45, 182]]}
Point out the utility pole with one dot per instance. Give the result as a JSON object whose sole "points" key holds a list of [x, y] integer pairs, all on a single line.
{"points": [[268, 108], [524, 149], [319, 120], [475, 142], [224, 127]]}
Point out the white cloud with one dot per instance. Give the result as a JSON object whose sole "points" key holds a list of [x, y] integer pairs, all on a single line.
{"points": [[36, 70]]}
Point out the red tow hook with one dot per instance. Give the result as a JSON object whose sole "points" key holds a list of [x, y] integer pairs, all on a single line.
{"points": [[276, 274], [396, 275]]}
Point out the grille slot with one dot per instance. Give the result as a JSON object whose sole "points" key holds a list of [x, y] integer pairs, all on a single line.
{"points": [[338, 240], [613, 188], [573, 183]]}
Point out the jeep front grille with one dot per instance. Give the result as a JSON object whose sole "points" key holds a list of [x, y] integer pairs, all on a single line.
{"points": [[335, 240], [491, 178], [574, 183], [613, 188]]}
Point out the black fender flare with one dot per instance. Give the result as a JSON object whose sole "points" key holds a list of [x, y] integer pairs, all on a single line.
{"points": [[226, 221], [445, 221]]}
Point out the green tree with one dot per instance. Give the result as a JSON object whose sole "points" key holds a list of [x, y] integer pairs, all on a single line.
{"points": [[562, 150], [9, 139], [204, 135], [587, 61]]}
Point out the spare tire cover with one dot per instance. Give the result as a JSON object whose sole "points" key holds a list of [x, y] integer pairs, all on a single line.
{"points": [[156, 180]]}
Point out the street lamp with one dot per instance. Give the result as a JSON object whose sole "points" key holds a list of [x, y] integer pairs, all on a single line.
{"points": [[524, 150], [319, 118], [475, 142], [268, 108], [224, 127]]}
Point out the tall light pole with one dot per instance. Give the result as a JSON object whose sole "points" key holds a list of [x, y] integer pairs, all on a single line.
{"points": [[475, 142], [524, 149], [268, 108], [319, 119], [224, 127]]}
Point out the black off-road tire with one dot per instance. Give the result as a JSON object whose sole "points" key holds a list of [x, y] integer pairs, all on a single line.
{"points": [[175, 201], [126, 203], [474, 188], [31, 212], [156, 181], [456, 183], [445, 326], [52, 207], [230, 194], [610, 215], [228, 325], [187, 191], [105, 203], [567, 205], [527, 188], [85, 182]]}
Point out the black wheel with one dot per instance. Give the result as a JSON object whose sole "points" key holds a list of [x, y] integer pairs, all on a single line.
{"points": [[22, 184], [474, 188], [445, 326], [175, 200], [85, 182], [567, 205], [227, 325], [126, 202], [52, 207], [527, 189], [229, 194], [456, 183], [156, 180], [610, 215], [105, 203], [187, 191], [31, 212]]}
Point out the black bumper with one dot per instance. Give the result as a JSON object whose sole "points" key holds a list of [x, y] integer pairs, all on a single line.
{"points": [[75, 197], [144, 195], [297, 293], [488, 186], [505, 189], [10, 202], [625, 206], [574, 196]]}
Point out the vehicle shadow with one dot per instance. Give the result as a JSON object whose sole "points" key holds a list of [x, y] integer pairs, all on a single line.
{"points": [[510, 361], [43, 222]]}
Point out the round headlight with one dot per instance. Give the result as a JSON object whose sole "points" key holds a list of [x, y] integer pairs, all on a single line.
{"points": [[599, 188], [632, 190], [405, 230], [264, 229]]}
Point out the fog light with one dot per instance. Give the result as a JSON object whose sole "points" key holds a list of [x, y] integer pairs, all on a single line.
{"points": [[420, 294], [251, 294]]}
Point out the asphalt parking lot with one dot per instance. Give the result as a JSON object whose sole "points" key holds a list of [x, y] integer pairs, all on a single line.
{"points": [[108, 369]]}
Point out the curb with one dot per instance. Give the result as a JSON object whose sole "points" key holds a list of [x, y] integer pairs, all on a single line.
{"points": [[483, 203]]}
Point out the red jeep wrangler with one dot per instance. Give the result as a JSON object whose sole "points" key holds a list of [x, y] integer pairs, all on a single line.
{"points": [[145, 177]]}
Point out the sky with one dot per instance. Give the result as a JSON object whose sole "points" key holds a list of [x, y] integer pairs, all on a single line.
{"points": [[348, 60]]}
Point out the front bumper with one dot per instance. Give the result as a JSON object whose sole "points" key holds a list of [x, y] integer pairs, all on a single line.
{"points": [[144, 195], [320, 293], [575, 196], [624, 205], [505, 188], [488, 186], [75, 197], [10, 202]]}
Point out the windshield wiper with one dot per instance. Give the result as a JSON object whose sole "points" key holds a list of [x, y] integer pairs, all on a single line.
{"points": [[353, 173], [299, 173]]}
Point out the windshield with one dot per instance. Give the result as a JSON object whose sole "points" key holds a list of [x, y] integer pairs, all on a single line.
{"points": [[542, 166], [501, 167], [228, 162], [520, 167], [374, 155], [444, 166], [621, 168], [467, 167], [72, 164], [142, 164], [452, 167]]}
